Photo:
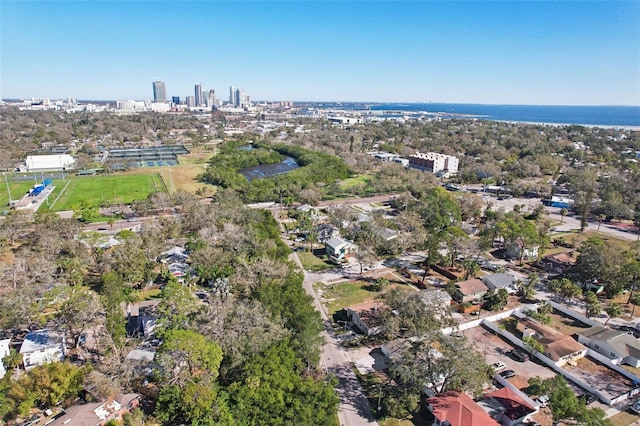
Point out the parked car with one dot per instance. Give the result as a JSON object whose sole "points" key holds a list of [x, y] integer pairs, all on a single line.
{"points": [[507, 374], [498, 366], [629, 330], [636, 407], [588, 398], [518, 355], [543, 400]]}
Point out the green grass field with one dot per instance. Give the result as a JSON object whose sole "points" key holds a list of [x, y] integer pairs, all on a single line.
{"points": [[99, 190], [339, 296], [104, 190], [349, 183], [17, 188]]}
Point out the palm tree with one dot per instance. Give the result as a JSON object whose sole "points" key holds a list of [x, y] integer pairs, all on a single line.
{"points": [[563, 213], [527, 290], [614, 310]]}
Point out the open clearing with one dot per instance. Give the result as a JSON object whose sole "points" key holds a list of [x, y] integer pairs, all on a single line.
{"points": [[184, 176]]}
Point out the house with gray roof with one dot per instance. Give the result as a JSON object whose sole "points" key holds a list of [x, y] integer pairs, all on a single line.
{"points": [[42, 347], [618, 346], [338, 249], [500, 280]]}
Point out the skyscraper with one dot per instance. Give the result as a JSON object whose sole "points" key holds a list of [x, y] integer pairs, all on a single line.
{"points": [[159, 92], [198, 90], [211, 101], [233, 99]]}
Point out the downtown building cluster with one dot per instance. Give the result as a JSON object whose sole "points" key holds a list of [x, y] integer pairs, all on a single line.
{"points": [[201, 98]]}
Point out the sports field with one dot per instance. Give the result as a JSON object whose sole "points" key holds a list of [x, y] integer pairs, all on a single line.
{"points": [[17, 188], [98, 190], [104, 190]]}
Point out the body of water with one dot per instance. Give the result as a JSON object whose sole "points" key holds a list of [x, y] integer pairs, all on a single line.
{"points": [[609, 116], [268, 170]]}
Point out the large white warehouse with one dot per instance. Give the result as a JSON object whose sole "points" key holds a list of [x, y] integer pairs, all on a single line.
{"points": [[48, 162]]}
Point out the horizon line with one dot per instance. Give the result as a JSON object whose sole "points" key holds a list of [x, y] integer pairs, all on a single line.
{"points": [[3, 99]]}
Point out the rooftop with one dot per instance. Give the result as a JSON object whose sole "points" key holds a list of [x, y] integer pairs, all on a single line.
{"points": [[459, 410], [556, 345], [515, 407], [471, 286], [41, 339]]}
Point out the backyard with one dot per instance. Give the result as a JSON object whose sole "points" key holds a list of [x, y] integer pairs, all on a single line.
{"points": [[341, 295]]}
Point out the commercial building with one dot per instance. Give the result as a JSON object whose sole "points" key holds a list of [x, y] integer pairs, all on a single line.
{"points": [[38, 163], [159, 92], [439, 164], [198, 94]]}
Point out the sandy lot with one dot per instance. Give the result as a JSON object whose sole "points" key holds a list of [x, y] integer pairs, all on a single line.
{"points": [[495, 349]]}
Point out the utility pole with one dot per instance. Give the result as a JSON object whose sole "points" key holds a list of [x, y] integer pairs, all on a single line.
{"points": [[8, 190]]}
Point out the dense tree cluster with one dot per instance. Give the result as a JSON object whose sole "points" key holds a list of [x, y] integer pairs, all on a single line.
{"points": [[256, 324]]}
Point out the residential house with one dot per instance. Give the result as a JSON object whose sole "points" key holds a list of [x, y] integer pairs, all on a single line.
{"points": [[508, 406], [395, 349], [175, 254], [176, 260], [338, 249], [558, 263], [557, 346], [387, 234], [366, 316], [324, 232], [517, 250], [500, 280], [42, 347], [618, 346], [4, 351], [141, 317], [435, 297], [469, 290], [98, 413], [457, 409]]}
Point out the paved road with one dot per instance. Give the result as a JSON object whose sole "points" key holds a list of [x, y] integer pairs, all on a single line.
{"points": [[568, 223], [354, 407]]}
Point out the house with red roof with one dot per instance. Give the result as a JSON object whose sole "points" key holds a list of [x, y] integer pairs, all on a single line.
{"points": [[469, 290], [457, 409], [508, 406]]}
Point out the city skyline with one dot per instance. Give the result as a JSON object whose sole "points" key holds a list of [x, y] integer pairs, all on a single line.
{"points": [[544, 53]]}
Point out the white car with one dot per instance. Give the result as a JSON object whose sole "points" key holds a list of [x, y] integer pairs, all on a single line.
{"points": [[543, 400], [498, 366], [636, 407]]}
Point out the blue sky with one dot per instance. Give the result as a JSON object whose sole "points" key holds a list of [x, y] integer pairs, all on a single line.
{"points": [[538, 52]]}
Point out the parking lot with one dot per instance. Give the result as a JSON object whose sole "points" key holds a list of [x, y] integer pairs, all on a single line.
{"points": [[495, 349]]}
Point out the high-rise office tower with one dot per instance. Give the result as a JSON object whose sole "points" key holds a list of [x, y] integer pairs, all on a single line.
{"points": [[191, 101], [176, 100], [198, 90], [233, 96], [159, 92], [211, 101]]}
